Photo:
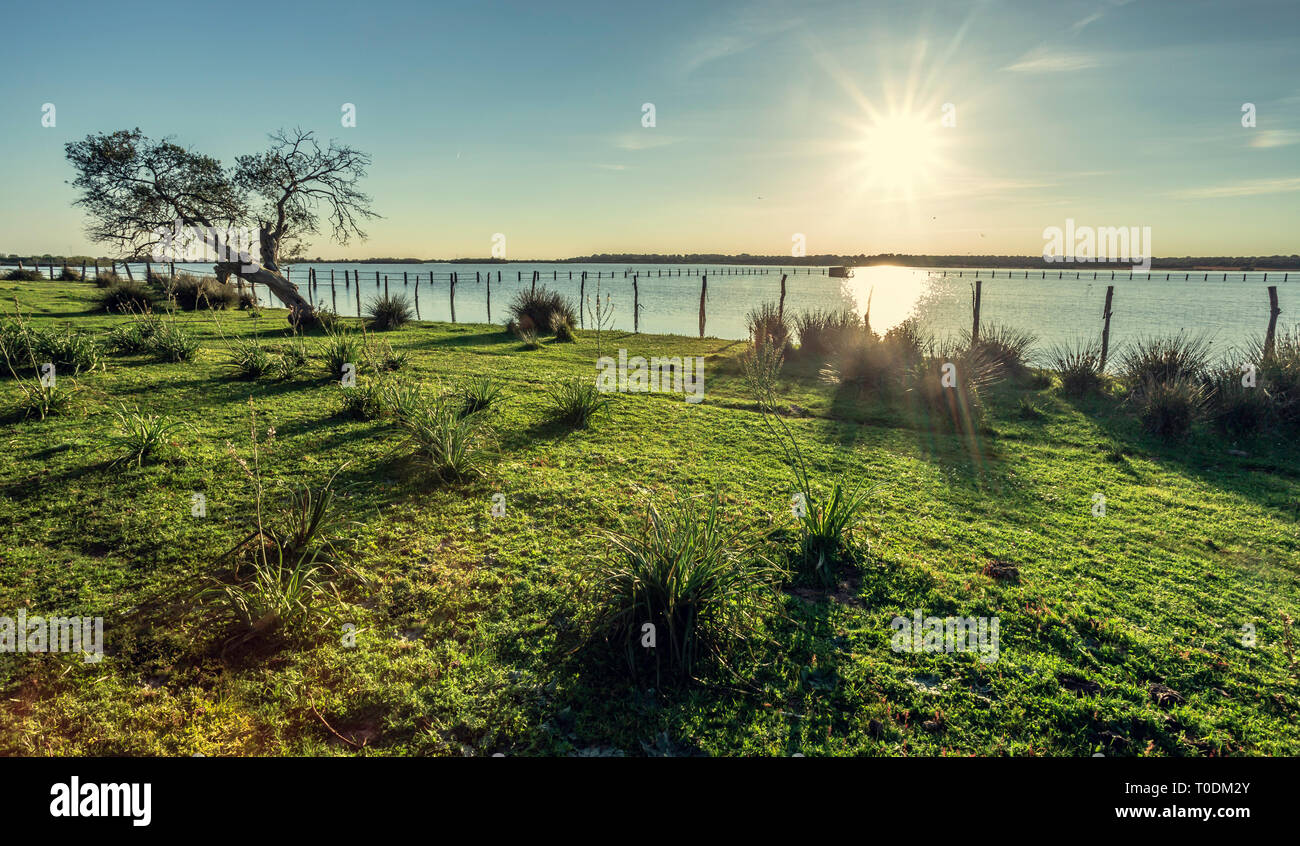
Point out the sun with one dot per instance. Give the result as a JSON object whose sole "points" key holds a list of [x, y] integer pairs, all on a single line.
{"points": [[900, 153]]}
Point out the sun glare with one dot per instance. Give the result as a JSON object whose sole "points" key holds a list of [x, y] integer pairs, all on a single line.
{"points": [[900, 153]]}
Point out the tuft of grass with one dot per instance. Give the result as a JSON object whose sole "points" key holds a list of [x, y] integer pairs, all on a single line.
{"points": [[362, 401], [342, 346], [69, 350], [576, 402], [1235, 408], [67, 274], [172, 342], [826, 524], [107, 279], [1279, 372], [1010, 348], [387, 360], [948, 386], [563, 329], [16, 275], [43, 399], [124, 296], [1169, 407], [824, 332], [542, 310], [1165, 359], [141, 436], [479, 394], [1029, 411], [192, 293], [248, 359], [767, 324], [1079, 367], [700, 585], [387, 313], [446, 446]]}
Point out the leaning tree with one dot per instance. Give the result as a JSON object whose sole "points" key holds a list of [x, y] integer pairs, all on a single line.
{"points": [[137, 190]]}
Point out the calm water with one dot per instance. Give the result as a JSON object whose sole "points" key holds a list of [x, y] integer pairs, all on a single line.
{"points": [[1056, 308]]}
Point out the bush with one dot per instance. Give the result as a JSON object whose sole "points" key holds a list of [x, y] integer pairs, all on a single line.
{"points": [[69, 350], [826, 530], [1279, 372], [693, 578], [290, 359], [388, 313], [342, 346], [171, 342], [824, 332], [17, 342], [541, 310], [1079, 366], [961, 405], [248, 359], [1008, 347], [1169, 359], [124, 297], [563, 330], [447, 446], [576, 402], [142, 436], [767, 324], [134, 337], [1169, 407], [67, 274], [362, 401], [478, 395], [869, 365], [906, 343], [1236, 409], [192, 293], [107, 279], [24, 276]]}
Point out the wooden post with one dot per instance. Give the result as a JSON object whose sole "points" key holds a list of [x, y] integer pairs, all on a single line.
{"points": [[356, 277], [83, 270], [975, 308], [636, 306], [704, 290], [385, 286], [489, 294], [1273, 312], [582, 299], [127, 265], [404, 280], [1105, 329], [534, 281], [453, 298], [780, 307], [334, 295]]}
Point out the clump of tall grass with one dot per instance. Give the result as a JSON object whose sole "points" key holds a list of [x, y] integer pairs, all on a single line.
{"points": [[694, 579], [124, 297], [141, 436], [479, 394], [1169, 407], [387, 313], [541, 310], [248, 359], [173, 343], [387, 360], [67, 274], [824, 332], [17, 340], [68, 349], [563, 329], [445, 445], [948, 386], [43, 398], [868, 364], [342, 346], [1235, 408], [1165, 359], [1079, 367], [107, 279], [192, 293], [23, 276], [576, 402], [1279, 372], [767, 324], [1009, 347], [290, 358], [362, 401], [135, 336]]}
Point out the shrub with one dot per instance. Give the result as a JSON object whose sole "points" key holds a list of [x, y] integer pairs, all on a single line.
{"points": [[388, 360], [1279, 372], [107, 279], [693, 578], [17, 342], [576, 402], [824, 332], [172, 342], [1236, 409], [141, 436], [478, 395], [825, 529], [1169, 407], [906, 343], [1009, 347], [362, 401], [248, 359], [1079, 366], [192, 292], [868, 365], [1168, 359], [24, 276], [447, 446], [124, 297], [953, 396], [67, 274], [563, 330], [135, 336], [290, 359], [68, 350], [341, 346], [767, 324], [541, 310], [388, 313]]}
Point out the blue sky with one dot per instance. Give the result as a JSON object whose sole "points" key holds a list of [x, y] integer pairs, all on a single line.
{"points": [[526, 119]]}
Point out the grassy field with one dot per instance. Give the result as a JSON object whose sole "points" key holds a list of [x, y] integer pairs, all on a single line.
{"points": [[1123, 634]]}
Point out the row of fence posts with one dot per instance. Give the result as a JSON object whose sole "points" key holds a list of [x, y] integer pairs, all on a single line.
{"points": [[977, 294], [1060, 274]]}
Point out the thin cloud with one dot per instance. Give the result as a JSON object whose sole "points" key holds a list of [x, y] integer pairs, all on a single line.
{"points": [[1043, 60], [1248, 188], [1275, 138]]}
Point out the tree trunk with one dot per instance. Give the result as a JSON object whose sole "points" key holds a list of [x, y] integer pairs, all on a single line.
{"points": [[299, 309]]}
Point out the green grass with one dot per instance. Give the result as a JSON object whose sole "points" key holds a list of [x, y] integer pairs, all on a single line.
{"points": [[474, 633]]}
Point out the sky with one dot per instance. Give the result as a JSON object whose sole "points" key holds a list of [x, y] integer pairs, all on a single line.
{"points": [[857, 127]]}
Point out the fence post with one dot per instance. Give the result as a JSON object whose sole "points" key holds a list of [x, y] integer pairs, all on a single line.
{"points": [[453, 298], [1273, 312], [489, 293], [780, 306], [1105, 329], [975, 308], [636, 306], [356, 277], [704, 289], [582, 300], [83, 271], [127, 265], [385, 286]]}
